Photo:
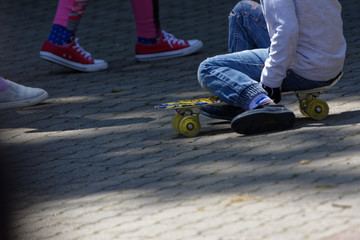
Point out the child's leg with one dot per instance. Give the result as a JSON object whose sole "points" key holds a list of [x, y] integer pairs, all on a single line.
{"points": [[152, 42], [295, 82], [247, 27], [67, 18], [61, 47], [235, 77], [146, 13]]}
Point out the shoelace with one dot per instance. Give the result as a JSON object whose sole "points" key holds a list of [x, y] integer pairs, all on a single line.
{"points": [[81, 50], [168, 37]]}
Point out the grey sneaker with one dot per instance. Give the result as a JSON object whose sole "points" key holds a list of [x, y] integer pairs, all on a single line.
{"points": [[17, 95], [263, 119]]}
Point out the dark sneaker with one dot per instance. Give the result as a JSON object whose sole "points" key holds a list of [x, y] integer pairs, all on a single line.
{"points": [[263, 119], [225, 112]]}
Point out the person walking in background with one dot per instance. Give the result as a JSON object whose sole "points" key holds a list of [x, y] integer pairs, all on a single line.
{"points": [[13, 95], [278, 46], [152, 43], [62, 47]]}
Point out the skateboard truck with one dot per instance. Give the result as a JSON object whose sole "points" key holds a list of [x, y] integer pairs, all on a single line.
{"points": [[311, 106], [186, 120]]}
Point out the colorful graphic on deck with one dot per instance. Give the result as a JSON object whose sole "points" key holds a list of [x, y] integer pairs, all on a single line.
{"points": [[189, 103]]}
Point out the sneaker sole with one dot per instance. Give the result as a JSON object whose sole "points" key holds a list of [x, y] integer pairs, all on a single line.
{"points": [[210, 111], [252, 122], [25, 103], [73, 65], [212, 115], [169, 54]]}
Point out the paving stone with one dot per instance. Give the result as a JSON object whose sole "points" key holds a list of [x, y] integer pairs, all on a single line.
{"points": [[97, 161]]}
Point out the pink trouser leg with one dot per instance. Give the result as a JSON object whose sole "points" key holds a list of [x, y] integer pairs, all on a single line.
{"points": [[69, 12], [146, 13]]}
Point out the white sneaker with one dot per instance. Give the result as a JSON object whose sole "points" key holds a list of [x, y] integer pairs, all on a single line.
{"points": [[17, 95]]}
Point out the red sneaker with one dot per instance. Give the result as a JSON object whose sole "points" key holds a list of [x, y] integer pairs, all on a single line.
{"points": [[167, 46], [71, 55]]}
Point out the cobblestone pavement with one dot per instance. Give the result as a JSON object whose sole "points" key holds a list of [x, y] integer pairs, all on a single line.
{"points": [[96, 161]]}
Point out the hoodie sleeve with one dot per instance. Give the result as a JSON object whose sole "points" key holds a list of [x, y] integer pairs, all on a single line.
{"points": [[283, 29]]}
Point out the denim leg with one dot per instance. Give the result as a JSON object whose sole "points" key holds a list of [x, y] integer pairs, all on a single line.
{"points": [[247, 27], [234, 77], [294, 82]]}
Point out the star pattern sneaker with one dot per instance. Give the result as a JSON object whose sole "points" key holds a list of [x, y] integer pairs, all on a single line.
{"points": [[167, 46], [263, 119], [71, 55], [17, 95]]}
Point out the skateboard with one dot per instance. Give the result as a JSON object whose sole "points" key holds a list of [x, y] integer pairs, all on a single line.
{"points": [[309, 103], [186, 121]]}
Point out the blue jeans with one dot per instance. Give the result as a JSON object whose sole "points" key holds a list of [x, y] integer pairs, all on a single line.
{"points": [[235, 77]]}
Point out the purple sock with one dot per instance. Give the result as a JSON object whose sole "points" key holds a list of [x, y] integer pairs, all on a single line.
{"points": [[260, 99]]}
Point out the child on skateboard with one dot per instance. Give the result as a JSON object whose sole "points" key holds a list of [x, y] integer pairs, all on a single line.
{"points": [[278, 46]]}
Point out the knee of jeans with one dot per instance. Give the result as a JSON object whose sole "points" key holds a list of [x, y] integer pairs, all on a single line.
{"points": [[244, 7], [203, 71], [236, 10]]}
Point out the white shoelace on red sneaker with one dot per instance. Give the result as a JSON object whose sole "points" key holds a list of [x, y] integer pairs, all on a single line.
{"points": [[170, 39], [81, 50]]}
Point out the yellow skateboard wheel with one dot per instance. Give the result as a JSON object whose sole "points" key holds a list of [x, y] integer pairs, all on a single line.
{"points": [[190, 126], [317, 109], [176, 122]]}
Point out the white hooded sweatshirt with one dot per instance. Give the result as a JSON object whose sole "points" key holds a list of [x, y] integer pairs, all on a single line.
{"points": [[306, 36]]}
